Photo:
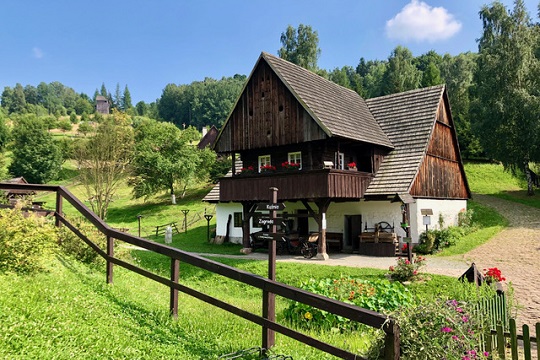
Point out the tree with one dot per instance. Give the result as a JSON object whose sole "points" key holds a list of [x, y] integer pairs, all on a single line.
{"points": [[126, 100], [35, 154], [457, 74], [4, 133], [508, 100], [117, 100], [103, 161], [401, 74], [300, 46], [85, 128], [165, 159], [141, 108]]}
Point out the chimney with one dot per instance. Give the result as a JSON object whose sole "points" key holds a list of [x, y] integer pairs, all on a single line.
{"points": [[204, 131]]}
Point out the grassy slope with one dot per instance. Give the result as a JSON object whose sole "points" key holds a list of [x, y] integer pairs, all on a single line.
{"points": [[71, 312], [492, 179]]}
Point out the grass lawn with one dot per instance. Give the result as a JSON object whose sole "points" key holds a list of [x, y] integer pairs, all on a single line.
{"points": [[492, 179]]}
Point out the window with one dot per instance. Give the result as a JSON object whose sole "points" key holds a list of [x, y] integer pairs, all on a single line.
{"points": [[264, 160], [237, 216], [340, 161], [296, 158]]}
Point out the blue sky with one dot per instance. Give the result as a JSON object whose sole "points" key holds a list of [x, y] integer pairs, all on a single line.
{"points": [[148, 44]]}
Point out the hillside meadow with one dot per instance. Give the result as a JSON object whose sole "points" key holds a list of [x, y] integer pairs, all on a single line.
{"points": [[70, 312]]}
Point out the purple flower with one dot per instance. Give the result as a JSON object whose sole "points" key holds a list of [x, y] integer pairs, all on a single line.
{"points": [[446, 329], [452, 303], [486, 353], [455, 337], [465, 319], [465, 358], [459, 310]]}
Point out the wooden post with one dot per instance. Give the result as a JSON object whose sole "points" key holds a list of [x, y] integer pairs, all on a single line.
{"points": [[110, 252], [269, 299], [59, 198], [392, 341], [175, 275]]}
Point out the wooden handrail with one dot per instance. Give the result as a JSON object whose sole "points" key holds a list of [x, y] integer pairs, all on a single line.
{"points": [[354, 313]]}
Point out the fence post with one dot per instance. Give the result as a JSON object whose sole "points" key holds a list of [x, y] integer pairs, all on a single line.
{"points": [[526, 342], [269, 299], [110, 253], [175, 274], [59, 198], [392, 341]]}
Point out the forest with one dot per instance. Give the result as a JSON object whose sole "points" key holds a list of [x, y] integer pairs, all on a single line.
{"points": [[494, 93]]}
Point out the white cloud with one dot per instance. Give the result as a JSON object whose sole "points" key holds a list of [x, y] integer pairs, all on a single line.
{"points": [[38, 53], [422, 22]]}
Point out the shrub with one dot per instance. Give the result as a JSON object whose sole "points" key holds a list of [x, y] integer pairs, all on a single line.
{"points": [[26, 243], [72, 245], [443, 329], [376, 295], [406, 270]]}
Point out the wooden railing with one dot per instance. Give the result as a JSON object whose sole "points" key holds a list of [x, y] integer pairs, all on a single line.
{"points": [[297, 185], [354, 313]]}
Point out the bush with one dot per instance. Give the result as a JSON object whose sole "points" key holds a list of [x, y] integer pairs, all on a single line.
{"points": [[406, 270], [443, 329], [72, 245], [26, 243], [376, 295]]}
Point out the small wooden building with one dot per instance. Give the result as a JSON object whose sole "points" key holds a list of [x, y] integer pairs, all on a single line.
{"points": [[102, 105], [343, 165]]}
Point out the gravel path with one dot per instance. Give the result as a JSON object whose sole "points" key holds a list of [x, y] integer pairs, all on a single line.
{"points": [[516, 252]]}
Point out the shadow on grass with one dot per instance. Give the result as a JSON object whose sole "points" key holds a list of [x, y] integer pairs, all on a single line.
{"points": [[520, 196]]}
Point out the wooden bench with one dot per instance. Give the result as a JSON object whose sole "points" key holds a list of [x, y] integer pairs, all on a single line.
{"points": [[160, 229]]}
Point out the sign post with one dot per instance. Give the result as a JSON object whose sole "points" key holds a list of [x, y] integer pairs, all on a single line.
{"points": [[269, 299]]}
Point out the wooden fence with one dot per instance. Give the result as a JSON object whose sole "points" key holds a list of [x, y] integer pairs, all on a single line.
{"points": [[268, 287], [511, 345], [502, 339]]}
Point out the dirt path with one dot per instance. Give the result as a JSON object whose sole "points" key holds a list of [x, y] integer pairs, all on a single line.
{"points": [[516, 252]]}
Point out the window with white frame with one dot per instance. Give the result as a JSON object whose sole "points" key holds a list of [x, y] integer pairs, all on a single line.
{"points": [[340, 161], [296, 158], [264, 160]]}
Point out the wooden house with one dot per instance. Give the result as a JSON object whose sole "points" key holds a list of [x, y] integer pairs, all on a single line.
{"points": [[343, 165], [102, 105]]}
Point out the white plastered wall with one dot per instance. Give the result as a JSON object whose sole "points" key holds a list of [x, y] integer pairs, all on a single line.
{"points": [[449, 209], [372, 212]]}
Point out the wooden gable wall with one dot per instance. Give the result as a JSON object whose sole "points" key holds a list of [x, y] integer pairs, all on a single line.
{"points": [[267, 115], [441, 174]]}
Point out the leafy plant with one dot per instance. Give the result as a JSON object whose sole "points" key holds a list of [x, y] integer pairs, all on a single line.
{"points": [[72, 245], [442, 329], [376, 295], [26, 243]]}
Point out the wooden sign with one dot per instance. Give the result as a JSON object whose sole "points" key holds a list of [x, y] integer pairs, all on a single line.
{"points": [[271, 206], [269, 236], [269, 221]]}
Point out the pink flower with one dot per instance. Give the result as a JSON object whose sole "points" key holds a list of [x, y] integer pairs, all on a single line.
{"points": [[465, 357], [459, 310], [465, 319], [455, 337], [446, 329], [486, 353]]}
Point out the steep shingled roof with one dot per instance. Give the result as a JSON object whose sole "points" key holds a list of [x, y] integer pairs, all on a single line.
{"points": [[338, 110], [408, 119]]}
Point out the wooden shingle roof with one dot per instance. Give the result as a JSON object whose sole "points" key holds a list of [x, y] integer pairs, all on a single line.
{"points": [[408, 119], [338, 111]]}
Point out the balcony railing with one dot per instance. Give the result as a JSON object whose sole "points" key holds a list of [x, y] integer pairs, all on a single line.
{"points": [[296, 185]]}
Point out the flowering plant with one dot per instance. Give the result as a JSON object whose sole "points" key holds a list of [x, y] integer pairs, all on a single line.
{"points": [[247, 170], [351, 165], [290, 165], [493, 275], [268, 168], [404, 248], [406, 270]]}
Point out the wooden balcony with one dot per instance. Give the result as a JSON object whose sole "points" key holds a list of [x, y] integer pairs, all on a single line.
{"points": [[340, 185]]}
